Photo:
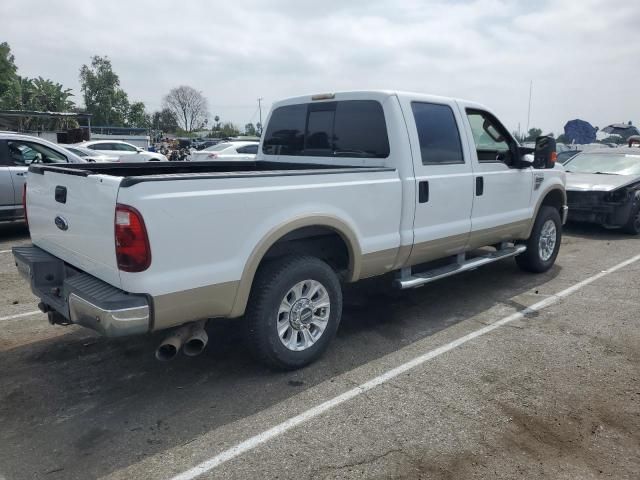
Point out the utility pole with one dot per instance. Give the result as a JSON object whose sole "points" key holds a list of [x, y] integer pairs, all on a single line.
{"points": [[260, 112], [529, 111]]}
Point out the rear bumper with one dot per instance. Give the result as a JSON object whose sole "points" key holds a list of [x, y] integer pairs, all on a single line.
{"points": [[80, 298]]}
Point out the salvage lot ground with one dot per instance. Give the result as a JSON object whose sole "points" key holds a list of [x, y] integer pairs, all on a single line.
{"points": [[555, 394]]}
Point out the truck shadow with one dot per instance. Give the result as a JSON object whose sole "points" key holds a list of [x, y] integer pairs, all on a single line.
{"points": [[105, 404]]}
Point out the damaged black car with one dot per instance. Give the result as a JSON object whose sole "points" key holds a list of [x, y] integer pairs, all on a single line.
{"points": [[603, 187]]}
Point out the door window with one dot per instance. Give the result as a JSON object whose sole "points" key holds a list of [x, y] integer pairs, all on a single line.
{"points": [[102, 146], [123, 147], [438, 134], [24, 153], [493, 143]]}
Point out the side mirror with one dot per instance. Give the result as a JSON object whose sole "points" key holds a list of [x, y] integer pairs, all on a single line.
{"points": [[140, 149], [544, 154]]}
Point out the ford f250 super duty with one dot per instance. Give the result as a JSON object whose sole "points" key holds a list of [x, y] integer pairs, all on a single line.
{"points": [[345, 186]]}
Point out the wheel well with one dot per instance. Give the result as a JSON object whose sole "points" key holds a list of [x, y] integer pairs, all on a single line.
{"points": [[319, 241], [554, 199]]}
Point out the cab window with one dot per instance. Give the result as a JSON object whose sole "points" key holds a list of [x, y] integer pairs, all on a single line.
{"points": [[493, 142]]}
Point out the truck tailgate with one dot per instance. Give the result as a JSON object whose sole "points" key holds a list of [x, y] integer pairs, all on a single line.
{"points": [[72, 217]]}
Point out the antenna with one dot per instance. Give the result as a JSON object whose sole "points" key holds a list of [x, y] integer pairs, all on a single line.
{"points": [[529, 111]]}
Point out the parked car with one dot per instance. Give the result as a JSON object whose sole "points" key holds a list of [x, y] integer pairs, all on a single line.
{"points": [[565, 156], [227, 151], [118, 151], [346, 186], [603, 187], [88, 154], [17, 152], [206, 144]]}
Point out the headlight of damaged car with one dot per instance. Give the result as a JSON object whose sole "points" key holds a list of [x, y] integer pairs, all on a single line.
{"points": [[617, 196]]}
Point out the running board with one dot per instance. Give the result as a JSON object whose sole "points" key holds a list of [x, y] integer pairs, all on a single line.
{"points": [[418, 279]]}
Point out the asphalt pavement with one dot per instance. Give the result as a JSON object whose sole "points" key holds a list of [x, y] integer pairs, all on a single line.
{"points": [[549, 388]]}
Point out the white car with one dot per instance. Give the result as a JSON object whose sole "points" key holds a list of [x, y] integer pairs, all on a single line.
{"points": [[345, 186], [17, 152], [227, 151], [88, 154], [119, 151]]}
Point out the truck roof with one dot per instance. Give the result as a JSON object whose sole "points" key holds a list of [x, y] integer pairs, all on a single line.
{"points": [[379, 95]]}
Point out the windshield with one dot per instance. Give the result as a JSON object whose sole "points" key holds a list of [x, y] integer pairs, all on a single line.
{"points": [[615, 164], [218, 147]]}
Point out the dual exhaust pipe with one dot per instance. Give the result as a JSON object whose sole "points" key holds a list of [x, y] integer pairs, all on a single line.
{"points": [[191, 338]]}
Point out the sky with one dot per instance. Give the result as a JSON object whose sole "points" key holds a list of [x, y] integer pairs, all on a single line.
{"points": [[583, 56]]}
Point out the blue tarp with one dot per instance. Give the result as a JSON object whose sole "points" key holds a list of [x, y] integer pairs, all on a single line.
{"points": [[579, 131]]}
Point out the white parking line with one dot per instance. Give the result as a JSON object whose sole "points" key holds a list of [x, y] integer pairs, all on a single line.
{"points": [[313, 412], [5, 251], [20, 315]]}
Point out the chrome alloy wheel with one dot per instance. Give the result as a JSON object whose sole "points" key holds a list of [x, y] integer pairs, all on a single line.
{"points": [[303, 315], [548, 239]]}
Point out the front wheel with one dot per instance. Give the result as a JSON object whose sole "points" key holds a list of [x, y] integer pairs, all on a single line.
{"points": [[294, 311], [544, 242]]}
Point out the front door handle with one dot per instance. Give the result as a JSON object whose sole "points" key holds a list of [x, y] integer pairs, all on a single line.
{"points": [[423, 192], [479, 186]]}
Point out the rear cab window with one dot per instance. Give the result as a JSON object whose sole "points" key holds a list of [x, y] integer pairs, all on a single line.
{"points": [[341, 129]]}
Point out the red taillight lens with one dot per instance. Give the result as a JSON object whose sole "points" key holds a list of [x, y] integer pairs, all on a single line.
{"points": [[132, 242], [212, 155], [24, 202]]}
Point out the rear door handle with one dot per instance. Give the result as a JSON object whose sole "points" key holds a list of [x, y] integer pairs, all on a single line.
{"points": [[21, 174], [423, 192], [479, 186]]}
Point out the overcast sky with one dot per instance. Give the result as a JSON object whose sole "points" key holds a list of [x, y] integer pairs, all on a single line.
{"points": [[583, 56]]}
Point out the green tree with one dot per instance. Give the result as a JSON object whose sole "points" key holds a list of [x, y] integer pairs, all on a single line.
{"points": [[228, 129], [137, 117], [165, 121], [103, 97], [533, 134], [250, 129], [9, 80]]}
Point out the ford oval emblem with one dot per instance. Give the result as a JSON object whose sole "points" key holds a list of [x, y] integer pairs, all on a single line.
{"points": [[62, 223]]}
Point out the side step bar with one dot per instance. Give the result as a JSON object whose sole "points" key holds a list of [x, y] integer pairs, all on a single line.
{"points": [[408, 280]]}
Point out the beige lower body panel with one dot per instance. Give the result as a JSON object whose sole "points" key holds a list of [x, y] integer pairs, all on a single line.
{"points": [[218, 300], [177, 308]]}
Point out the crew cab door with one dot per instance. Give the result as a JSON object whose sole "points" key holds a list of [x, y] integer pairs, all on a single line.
{"points": [[502, 191], [444, 180]]}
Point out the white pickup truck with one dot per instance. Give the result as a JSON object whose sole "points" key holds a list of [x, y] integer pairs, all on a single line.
{"points": [[345, 186]]}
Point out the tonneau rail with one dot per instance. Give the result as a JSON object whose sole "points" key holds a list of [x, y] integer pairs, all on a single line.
{"points": [[135, 173]]}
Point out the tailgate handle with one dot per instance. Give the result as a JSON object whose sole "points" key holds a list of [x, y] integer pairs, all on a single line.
{"points": [[61, 194]]}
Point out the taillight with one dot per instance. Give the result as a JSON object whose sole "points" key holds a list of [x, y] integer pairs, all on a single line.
{"points": [[212, 155], [24, 202], [132, 242]]}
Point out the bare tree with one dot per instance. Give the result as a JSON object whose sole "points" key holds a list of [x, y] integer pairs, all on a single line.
{"points": [[189, 107]]}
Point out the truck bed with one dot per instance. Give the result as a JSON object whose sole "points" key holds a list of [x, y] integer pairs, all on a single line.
{"points": [[134, 173]]}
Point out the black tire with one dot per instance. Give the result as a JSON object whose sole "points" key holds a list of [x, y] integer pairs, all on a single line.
{"points": [[531, 260], [272, 282], [632, 226]]}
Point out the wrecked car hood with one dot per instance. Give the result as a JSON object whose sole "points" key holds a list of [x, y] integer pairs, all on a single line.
{"points": [[582, 182]]}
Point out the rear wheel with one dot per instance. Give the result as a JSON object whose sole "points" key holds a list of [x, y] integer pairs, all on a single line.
{"points": [[633, 224], [294, 311], [544, 243]]}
